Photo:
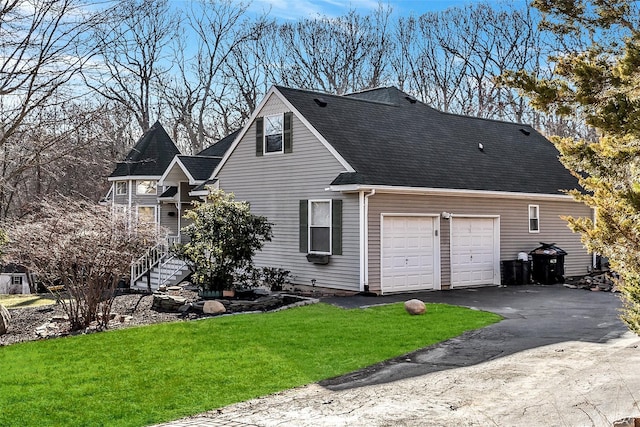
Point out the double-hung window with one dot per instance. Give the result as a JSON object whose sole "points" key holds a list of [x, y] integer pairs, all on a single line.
{"points": [[534, 219], [320, 226], [273, 134]]}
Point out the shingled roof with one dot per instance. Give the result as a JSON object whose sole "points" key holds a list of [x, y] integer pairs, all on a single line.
{"points": [[150, 156], [391, 139], [219, 149]]}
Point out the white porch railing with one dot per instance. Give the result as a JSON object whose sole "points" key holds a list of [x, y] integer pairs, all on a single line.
{"points": [[153, 257]]}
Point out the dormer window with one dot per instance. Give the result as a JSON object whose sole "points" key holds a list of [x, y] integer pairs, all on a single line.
{"points": [[273, 134]]}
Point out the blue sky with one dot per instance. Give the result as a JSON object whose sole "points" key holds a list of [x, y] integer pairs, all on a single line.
{"points": [[296, 9]]}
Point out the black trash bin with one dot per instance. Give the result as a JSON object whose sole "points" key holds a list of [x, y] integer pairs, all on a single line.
{"points": [[516, 272], [548, 264]]}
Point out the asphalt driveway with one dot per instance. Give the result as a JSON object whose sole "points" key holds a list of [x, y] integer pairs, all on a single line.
{"points": [[560, 357]]}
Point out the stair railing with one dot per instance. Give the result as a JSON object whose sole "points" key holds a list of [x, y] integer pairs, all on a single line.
{"points": [[150, 259]]}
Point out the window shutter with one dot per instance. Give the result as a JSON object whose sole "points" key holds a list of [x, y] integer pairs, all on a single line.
{"points": [[288, 118], [304, 226], [259, 136], [336, 227]]}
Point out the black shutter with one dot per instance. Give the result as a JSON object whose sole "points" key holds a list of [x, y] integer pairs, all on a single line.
{"points": [[304, 228], [259, 136], [288, 118], [336, 227]]}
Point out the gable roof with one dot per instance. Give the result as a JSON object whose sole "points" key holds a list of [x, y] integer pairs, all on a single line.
{"points": [[220, 148], [150, 156], [199, 167], [391, 139]]}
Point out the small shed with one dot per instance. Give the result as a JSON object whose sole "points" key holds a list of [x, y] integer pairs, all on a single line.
{"points": [[15, 279]]}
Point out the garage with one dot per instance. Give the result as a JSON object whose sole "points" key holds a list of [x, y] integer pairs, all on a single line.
{"points": [[410, 255], [475, 251]]}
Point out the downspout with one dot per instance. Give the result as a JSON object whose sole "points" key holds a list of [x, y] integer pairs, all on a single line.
{"points": [[130, 208], [179, 207], [594, 256], [364, 239]]}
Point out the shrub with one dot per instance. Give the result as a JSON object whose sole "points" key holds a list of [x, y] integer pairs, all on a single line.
{"points": [[81, 247], [224, 236]]}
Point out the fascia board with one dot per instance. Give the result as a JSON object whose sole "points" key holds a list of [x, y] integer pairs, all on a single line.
{"points": [[447, 192]]}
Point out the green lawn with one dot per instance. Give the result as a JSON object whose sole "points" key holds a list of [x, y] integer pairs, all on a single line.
{"points": [[145, 375], [23, 301]]}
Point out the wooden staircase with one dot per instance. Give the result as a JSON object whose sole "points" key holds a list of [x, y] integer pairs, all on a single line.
{"points": [[158, 267]]}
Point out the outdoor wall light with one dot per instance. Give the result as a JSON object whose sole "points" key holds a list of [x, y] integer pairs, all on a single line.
{"points": [[445, 215]]}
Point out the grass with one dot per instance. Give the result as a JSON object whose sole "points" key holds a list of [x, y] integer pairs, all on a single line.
{"points": [[23, 301], [145, 375]]}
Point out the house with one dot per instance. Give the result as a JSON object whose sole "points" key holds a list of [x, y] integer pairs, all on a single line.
{"points": [[376, 191], [156, 184]]}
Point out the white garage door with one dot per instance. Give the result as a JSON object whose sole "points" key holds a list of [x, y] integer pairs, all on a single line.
{"points": [[410, 254], [475, 251]]}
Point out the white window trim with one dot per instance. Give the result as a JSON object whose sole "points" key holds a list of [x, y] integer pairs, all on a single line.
{"points": [[146, 194], [122, 184], [264, 135], [309, 215], [537, 217]]}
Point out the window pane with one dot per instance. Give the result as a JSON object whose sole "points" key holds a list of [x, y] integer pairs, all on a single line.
{"points": [[533, 212], [273, 125], [273, 143], [320, 239], [121, 188], [146, 214], [146, 187], [321, 214], [533, 224]]}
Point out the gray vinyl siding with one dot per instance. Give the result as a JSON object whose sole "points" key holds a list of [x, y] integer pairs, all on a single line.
{"points": [[274, 184], [169, 218], [514, 227]]}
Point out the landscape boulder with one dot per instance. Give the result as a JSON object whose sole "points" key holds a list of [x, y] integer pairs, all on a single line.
{"points": [[213, 307], [415, 307], [5, 318], [171, 303]]}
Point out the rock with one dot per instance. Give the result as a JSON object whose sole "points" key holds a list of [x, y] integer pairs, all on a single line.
{"points": [[5, 320], [184, 308], [415, 307], [125, 318], [163, 302], [213, 307], [627, 422]]}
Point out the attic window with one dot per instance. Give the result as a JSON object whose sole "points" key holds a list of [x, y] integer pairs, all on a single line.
{"points": [[320, 101], [525, 132], [411, 99]]}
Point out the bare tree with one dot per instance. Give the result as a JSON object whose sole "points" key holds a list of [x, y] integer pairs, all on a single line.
{"points": [[335, 55], [42, 50], [132, 55], [200, 98]]}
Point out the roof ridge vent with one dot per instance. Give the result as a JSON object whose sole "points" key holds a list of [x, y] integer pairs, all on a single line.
{"points": [[320, 101], [411, 99], [525, 132]]}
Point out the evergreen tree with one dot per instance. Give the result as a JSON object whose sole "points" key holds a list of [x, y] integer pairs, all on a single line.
{"points": [[598, 77]]}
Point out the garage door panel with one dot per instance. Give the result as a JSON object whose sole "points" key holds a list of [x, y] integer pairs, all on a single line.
{"points": [[409, 253], [474, 243]]}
